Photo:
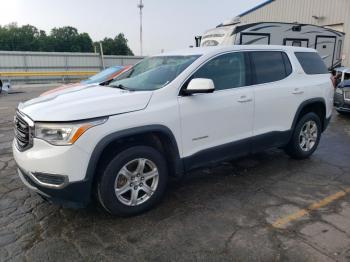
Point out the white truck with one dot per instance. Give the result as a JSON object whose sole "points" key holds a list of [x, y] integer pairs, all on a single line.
{"points": [[166, 116], [327, 42]]}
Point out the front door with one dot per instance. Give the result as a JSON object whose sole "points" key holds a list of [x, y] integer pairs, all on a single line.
{"points": [[212, 124]]}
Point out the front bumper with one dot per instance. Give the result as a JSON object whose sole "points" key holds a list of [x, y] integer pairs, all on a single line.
{"points": [[73, 195], [56, 173], [70, 161], [341, 104]]}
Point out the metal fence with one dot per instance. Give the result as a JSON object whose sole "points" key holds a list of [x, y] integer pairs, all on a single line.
{"points": [[36, 62]]}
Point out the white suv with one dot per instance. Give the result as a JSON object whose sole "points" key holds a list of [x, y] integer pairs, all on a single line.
{"points": [[167, 115]]}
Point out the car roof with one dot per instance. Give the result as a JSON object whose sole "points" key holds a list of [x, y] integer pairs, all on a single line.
{"points": [[219, 49]]}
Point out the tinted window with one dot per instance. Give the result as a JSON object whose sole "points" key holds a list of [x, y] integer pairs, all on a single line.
{"points": [[346, 76], [270, 66], [287, 64], [311, 63], [296, 43], [227, 71]]}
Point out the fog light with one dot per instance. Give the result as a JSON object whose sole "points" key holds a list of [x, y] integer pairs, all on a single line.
{"points": [[50, 180]]}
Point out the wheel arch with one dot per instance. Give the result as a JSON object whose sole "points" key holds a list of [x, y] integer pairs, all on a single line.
{"points": [[158, 136], [316, 105]]}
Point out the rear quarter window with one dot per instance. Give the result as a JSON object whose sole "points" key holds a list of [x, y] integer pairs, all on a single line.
{"points": [[311, 63]]}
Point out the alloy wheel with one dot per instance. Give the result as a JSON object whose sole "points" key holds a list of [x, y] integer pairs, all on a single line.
{"points": [[136, 182], [308, 136]]}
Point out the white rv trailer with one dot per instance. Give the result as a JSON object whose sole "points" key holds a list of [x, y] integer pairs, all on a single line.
{"points": [[326, 41]]}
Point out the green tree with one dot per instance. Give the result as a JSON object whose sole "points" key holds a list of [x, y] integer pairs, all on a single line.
{"points": [[116, 46], [17, 38], [63, 39], [85, 42], [67, 39]]}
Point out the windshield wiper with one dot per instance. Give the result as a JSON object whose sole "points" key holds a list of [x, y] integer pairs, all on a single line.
{"points": [[120, 86]]}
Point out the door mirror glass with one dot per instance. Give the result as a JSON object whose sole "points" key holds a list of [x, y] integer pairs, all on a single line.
{"points": [[199, 85]]}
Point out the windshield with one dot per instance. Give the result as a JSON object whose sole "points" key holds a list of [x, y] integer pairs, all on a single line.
{"points": [[153, 73], [103, 75]]}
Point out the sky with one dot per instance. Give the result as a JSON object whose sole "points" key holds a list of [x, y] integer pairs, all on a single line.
{"points": [[167, 24]]}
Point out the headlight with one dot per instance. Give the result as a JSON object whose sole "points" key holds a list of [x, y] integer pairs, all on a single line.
{"points": [[62, 134], [339, 91]]}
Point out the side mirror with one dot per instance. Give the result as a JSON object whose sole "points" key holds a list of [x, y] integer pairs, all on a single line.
{"points": [[199, 86]]}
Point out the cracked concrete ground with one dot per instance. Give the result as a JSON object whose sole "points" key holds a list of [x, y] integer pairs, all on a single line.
{"points": [[224, 213]]}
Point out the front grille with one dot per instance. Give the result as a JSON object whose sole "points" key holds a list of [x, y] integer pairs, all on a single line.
{"points": [[22, 133]]}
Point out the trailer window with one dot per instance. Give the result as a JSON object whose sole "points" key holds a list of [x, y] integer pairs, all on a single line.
{"points": [[210, 43], [296, 43], [340, 43], [270, 66], [311, 63]]}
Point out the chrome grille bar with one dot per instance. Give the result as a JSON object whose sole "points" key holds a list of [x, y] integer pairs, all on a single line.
{"points": [[23, 131]]}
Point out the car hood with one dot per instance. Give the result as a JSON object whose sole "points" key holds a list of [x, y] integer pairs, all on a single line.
{"points": [[84, 102]]}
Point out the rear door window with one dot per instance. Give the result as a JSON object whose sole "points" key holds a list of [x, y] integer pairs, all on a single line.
{"points": [[311, 63], [270, 66]]}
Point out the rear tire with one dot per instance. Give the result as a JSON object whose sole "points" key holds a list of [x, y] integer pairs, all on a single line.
{"points": [[133, 182], [305, 138]]}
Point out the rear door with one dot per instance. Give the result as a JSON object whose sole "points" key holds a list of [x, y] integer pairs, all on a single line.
{"points": [[325, 45], [276, 98]]}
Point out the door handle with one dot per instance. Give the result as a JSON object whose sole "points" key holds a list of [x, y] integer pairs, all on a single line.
{"points": [[244, 99], [297, 91]]}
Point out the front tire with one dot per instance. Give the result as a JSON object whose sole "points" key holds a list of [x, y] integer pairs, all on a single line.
{"points": [[305, 138], [133, 182]]}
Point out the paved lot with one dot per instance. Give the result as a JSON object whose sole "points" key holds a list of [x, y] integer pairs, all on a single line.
{"points": [[262, 208]]}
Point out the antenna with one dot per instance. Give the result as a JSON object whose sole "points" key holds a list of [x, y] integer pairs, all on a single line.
{"points": [[141, 6]]}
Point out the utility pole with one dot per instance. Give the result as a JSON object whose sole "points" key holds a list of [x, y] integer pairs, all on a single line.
{"points": [[102, 57], [140, 6]]}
